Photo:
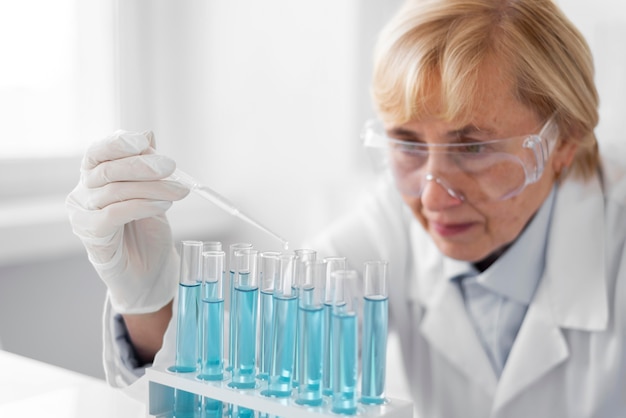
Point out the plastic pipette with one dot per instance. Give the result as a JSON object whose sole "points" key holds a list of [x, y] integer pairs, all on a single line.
{"points": [[220, 201]]}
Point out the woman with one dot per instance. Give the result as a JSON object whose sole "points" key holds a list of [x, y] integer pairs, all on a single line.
{"points": [[503, 227]]}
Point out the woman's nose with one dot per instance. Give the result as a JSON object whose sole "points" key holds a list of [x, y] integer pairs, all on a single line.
{"points": [[437, 194]]}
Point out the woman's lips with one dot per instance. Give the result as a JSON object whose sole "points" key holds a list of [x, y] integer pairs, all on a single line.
{"points": [[450, 229]]}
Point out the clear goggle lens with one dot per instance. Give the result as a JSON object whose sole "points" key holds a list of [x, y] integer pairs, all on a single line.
{"points": [[474, 171]]}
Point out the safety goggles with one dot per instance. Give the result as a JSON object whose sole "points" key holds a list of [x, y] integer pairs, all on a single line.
{"points": [[474, 171]]}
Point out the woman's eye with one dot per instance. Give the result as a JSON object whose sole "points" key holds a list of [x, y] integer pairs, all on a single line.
{"points": [[473, 148]]}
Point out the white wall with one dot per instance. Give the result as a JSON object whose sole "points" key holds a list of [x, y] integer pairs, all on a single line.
{"points": [[263, 101], [603, 23]]}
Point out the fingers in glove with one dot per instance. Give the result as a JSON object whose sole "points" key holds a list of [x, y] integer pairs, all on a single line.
{"points": [[120, 144], [95, 225], [136, 168], [111, 193]]}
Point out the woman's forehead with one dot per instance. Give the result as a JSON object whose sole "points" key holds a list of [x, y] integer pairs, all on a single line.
{"points": [[492, 93]]}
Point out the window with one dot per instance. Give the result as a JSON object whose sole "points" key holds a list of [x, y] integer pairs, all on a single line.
{"points": [[56, 79], [57, 90]]}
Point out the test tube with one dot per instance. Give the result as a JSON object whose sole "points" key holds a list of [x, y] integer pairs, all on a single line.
{"points": [[284, 329], [245, 315], [186, 404], [310, 325], [212, 408], [375, 323], [212, 346], [188, 310], [303, 256], [332, 264], [345, 342], [268, 272], [206, 246], [232, 342]]}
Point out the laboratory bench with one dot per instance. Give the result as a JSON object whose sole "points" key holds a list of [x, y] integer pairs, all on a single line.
{"points": [[30, 388]]}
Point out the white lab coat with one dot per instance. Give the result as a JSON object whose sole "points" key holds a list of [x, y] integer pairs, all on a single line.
{"points": [[569, 358]]}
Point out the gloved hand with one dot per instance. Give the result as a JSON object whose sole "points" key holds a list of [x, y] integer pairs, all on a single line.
{"points": [[118, 211]]}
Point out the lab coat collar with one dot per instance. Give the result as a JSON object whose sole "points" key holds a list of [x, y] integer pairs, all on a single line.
{"points": [[577, 290], [446, 325], [448, 329], [569, 295]]}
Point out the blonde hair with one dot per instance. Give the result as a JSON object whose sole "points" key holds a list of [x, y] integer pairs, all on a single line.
{"points": [[444, 43]]}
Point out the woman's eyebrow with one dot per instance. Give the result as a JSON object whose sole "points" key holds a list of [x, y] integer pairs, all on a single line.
{"points": [[470, 129], [399, 132]]}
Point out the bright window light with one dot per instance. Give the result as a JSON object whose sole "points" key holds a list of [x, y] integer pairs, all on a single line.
{"points": [[45, 76]]}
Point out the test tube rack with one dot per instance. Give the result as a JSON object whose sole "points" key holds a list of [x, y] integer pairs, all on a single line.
{"points": [[162, 384]]}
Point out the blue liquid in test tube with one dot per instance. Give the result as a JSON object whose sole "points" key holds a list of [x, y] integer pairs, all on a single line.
{"points": [[332, 264], [244, 362], [188, 308], [268, 272], [212, 366], [374, 349], [311, 327], [186, 404], [303, 256], [245, 300], [212, 324], [284, 338], [327, 348], [237, 411], [265, 342], [375, 324], [186, 341], [206, 246], [310, 387], [345, 376], [283, 330], [345, 343], [212, 408], [232, 342]]}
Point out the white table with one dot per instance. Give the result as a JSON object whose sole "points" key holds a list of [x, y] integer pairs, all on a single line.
{"points": [[30, 388]]}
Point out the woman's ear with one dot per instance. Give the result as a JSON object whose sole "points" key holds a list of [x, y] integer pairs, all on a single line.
{"points": [[563, 155]]}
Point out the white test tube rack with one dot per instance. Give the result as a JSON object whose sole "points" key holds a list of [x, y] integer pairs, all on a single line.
{"points": [[162, 384]]}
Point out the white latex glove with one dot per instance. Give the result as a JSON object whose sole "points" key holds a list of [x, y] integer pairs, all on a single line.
{"points": [[118, 211]]}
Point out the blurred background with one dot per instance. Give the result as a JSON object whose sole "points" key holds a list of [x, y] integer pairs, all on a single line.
{"points": [[262, 101]]}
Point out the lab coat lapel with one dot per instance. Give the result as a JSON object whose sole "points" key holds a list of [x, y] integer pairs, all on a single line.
{"points": [[539, 347], [570, 295], [448, 329], [446, 325]]}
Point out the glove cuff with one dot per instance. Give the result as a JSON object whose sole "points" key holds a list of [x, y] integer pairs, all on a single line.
{"points": [[131, 296]]}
